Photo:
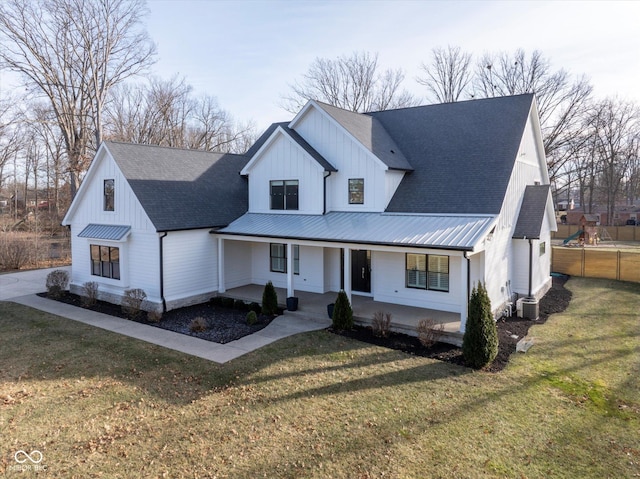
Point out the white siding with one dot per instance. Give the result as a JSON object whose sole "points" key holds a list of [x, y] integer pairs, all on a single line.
{"points": [[351, 160], [190, 265], [139, 253], [285, 160], [388, 283], [237, 263], [311, 277]]}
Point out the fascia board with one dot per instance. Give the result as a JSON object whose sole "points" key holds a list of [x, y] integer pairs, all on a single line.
{"points": [[272, 139]]}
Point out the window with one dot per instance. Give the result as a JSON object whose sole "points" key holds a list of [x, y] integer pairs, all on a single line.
{"points": [[279, 258], [543, 248], [109, 191], [356, 191], [105, 261], [427, 272], [284, 194]]}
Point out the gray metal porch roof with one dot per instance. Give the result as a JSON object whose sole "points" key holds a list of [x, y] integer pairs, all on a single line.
{"points": [[455, 232], [104, 232]]}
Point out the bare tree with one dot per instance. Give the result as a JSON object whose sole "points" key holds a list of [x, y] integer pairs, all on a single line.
{"points": [[72, 52], [10, 136], [449, 74], [614, 125], [353, 83], [165, 113]]}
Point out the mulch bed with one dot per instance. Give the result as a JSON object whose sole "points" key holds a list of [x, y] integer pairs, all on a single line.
{"points": [[223, 324], [227, 324], [556, 300]]}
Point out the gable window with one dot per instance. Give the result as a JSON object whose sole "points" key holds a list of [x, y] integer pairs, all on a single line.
{"points": [[105, 261], [356, 191], [427, 272], [284, 194], [109, 193], [543, 248], [279, 258]]}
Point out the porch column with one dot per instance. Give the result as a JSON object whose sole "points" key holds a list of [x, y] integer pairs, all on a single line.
{"points": [[289, 270], [221, 287], [347, 272], [464, 292]]}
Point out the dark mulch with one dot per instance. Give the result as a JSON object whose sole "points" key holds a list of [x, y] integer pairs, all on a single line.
{"points": [[510, 331], [227, 324], [223, 324]]}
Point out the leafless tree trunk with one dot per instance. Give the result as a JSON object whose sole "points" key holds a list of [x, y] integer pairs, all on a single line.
{"points": [[165, 114], [614, 125], [353, 83], [72, 52], [449, 74]]}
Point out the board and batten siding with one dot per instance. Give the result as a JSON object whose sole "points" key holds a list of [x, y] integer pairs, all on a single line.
{"points": [[351, 160], [283, 159], [190, 267], [139, 252]]}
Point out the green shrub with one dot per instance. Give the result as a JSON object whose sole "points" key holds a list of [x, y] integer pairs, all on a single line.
{"points": [[227, 302], [57, 282], [89, 294], [269, 300], [255, 307], [252, 318], [132, 302], [240, 305], [480, 341], [342, 313]]}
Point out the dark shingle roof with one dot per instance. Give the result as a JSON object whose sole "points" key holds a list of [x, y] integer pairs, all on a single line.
{"points": [[531, 213], [295, 137], [462, 153], [371, 134], [183, 189]]}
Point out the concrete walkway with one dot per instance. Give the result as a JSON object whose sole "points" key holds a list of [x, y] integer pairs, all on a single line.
{"points": [[22, 287]]}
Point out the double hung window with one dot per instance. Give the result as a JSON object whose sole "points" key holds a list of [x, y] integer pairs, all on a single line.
{"points": [[279, 258], [427, 272], [284, 194]]}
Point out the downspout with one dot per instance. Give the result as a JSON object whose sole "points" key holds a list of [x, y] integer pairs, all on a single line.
{"points": [[324, 202], [530, 267], [164, 302]]}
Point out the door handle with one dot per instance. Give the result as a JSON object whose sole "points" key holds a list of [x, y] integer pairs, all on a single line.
{"points": [[363, 273]]}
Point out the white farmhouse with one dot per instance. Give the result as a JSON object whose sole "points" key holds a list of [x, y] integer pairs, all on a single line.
{"points": [[407, 207]]}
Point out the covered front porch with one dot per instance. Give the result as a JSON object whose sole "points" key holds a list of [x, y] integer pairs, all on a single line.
{"points": [[313, 306]]}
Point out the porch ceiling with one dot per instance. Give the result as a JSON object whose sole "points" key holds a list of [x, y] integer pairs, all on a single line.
{"points": [[428, 231]]}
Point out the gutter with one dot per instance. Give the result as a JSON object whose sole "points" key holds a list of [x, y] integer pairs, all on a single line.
{"points": [[164, 302], [324, 192]]}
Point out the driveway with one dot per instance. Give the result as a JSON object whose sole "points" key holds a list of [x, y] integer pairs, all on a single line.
{"points": [[13, 285]]}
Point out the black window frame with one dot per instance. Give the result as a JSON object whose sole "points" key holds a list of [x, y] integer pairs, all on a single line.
{"points": [[109, 194], [284, 195], [431, 276], [105, 261], [354, 193], [283, 258]]}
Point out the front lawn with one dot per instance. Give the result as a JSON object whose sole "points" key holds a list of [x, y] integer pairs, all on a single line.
{"points": [[97, 404]]}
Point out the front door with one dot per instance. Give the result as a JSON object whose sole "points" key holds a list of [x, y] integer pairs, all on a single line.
{"points": [[361, 270]]}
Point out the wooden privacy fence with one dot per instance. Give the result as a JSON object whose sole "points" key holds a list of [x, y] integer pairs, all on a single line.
{"points": [[617, 233], [590, 263]]}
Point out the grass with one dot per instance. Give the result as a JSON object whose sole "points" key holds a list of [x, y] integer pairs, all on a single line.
{"points": [[318, 405]]}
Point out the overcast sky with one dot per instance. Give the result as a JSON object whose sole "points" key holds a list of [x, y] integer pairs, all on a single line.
{"points": [[246, 53]]}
